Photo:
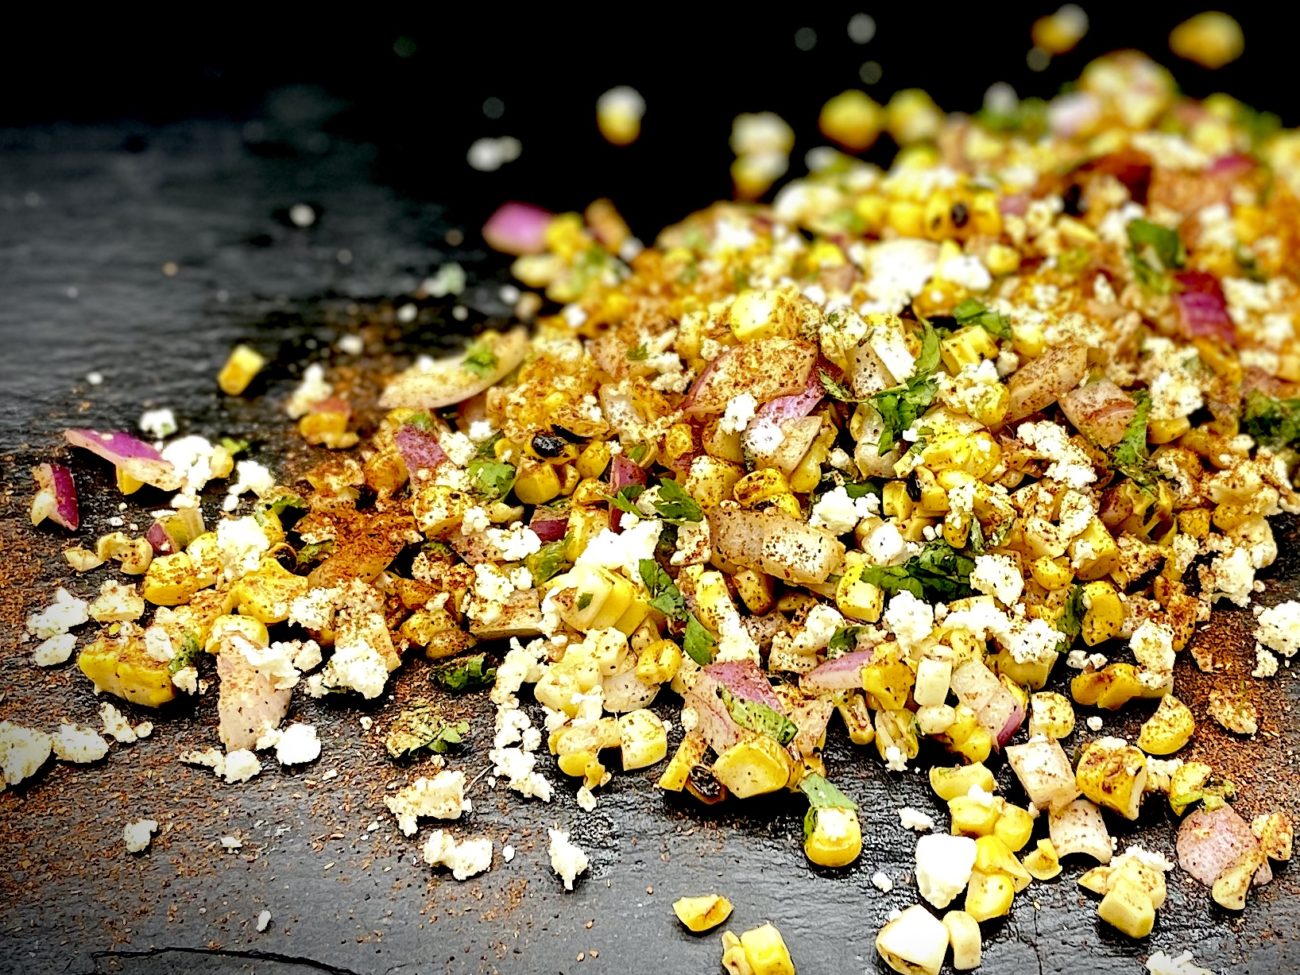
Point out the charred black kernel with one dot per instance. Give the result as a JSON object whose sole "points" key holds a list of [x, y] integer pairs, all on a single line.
{"points": [[568, 435], [913, 484], [702, 784], [960, 215], [548, 445], [1072, 200]]}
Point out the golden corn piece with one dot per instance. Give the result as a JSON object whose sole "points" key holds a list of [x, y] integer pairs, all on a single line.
{"points": [[643, 741], [594, 459], [1211, 39], [252, 630], [856, 598], [853, 119], [914, 943], [766, 952], [756, 590], [963, 939], [244, 363], [1051, 574], [855, 714], [1103, 613], [265, 595], [1028, 340], [1002, 259], [1050, 715], [689, 754], [835, 839], [1042, 862], [973, 817], [1113, 777], [1169, 729], [992, 856], [711, 481], [967, 347], [989, 895], [950, 783], [703, 913], [1014, 827], [757, 315], [125, 669], [328, 428], [888, 684], [536, 482], [1111, 687], [763, 485], [753, 766], [438, 509], [1127, 908], [591, 598], [895, 502], [170, 580], [658, 662]]}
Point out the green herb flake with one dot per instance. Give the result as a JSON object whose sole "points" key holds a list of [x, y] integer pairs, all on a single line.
{"points": [[418, 727], [937, 572], [465, 674], [639, 354], [1070, 622], [901, 406], [584, 600], [492, 479], [971, 312], [626, 497], [1154, 251], [549, 560], [421, 421], [698, 643], [844, 640], [1129, 456], [758, 717], [675, 505], [480, 361], [187, 655], [1275, 423], [835, 389], [822, 793], [234, 447], [314, 552]]}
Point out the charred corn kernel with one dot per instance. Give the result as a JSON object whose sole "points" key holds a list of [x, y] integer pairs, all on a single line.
{"points": [[592, 598], [618, 115], [976, 747], [856, 598], [252, 630], [1094, 553], [205, 558], [1001, 259], [1190, 784], [853, 119], [856, 716], [327, 428], [658, 662], [1169, 729], [1113, 777], [1103, 615], [989, 895], [835, 839], [1128, 908], [713, 602], [265, 595], [1014, 827], [753, 766], [907, 218], [963, 726], [1275, 834], [703, 913], [888, 683], [967, 347], [439, 509], [1231, 886], [679, 442], [123, 668], [964, 939], [912, 116], [734, 961], [1042, 862], [643, 741], [722, 444], [992, 855], [766, 952], [711, 481], [896, 502], [244, 363], [536, 482], [1111, 687], [760, 486], [1022, 673], [950, 783], [575, 764], [756, 590], [934, 719], [135, 557], [1051, 574], [1050, 715], [1028, 340], [972, 816], [689, 754], [569, 479], [896, 730], [824, 254], [590, 491], [787, 503]]}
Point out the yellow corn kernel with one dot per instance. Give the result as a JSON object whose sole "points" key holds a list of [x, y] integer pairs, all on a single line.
{"points": [[252, 630], [964, 939], [170, 580], [438, 509], [1094, 552], [703, 913], [753, 766], [244, 363], [853, 711], [713, 602], [125, 669], [760, 486], [949, 783], [328, 428], [753, 315], [1103, 615], [643, 741], [658, 662], [679, 442], [756, 590], [711, 481], [835, 839], [986, 220], [824, 254], [1014, 827], [989, 895], [855, 598], [1113, 777], [1169, 729], [536, 482], [569, 479], [734, 961], [1167, 431], [853, 119], [967, 347], [722, 444], [1210, 39], [872, 211], [896, 502], [1050, 715], [896, 730], [907, 218], [1042, 862], [1001, 259], [1051, 574], [973, 817], [1111, 687], [992, 855], [590, 491], [1029, 341], [787, 503], [265, 595], [1128, 908], [888, 684], [689, 754], [977, 746], [765, 951]]}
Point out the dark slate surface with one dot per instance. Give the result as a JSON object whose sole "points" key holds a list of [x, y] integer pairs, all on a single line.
{"points": [[88, 218]]}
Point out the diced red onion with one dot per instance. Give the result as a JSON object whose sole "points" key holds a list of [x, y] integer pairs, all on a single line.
{"points": [[420, 449], [766, 368], [1232, 166], [995, 707], [1202, 308], [798, 405], [517, 228], [1211, 840], [844, 673], [56, 496], [158, 538], [745, 681], [714, 723], [174, 532], [1014, 204], [622, 472], [128, 454], [549, 524], [1014, 720]]}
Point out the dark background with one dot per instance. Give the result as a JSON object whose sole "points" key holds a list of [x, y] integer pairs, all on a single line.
{"points": [[133, 142]]}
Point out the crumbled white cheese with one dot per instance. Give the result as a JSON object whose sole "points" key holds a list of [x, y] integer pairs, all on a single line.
{"points": [[311, 390], [22, 752], [314, 610], [1174, 395], [465, 859], [1265, 663], [838, 513], [1161, 964], [943, 866], [249, 476], [915, 819], [441, 797], [880, 880], [1152, 644], [740, 410], [159, 424], [297, 745], [623, 550], [1094, 723], [1067, 462], [116, 725], [885, 545], [240, 766], [1278, 628], [241, 543], [475, 520], [998, 576], [191, 459], [355, 665], [54, 651], [264, 917], [567, 859], [60, 616], [138, 835], [515, 543], [911, 620], [77, 743]]}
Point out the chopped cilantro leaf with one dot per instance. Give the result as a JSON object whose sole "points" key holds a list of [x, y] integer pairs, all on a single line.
{"points": [[1070, 622], [418, 727], [549, 560], [1272, 422], [971, 312], [938, 571], [675, 505], [187, 655], [698, 643], [1154, 251], [639, 354], [584, 600], [465, 674], [757, 716], [835, 389], [491, 479], [1130, 454], [844, 640], [234, 447], [480, 361], [822, 794], [901, 406], [627, 495]]}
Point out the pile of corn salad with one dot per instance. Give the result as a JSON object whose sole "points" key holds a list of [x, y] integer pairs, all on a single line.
{"points": [[877, 459]]}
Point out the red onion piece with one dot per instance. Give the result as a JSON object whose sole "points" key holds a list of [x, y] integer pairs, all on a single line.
{"points": [[419, 448], [841, 674], [128, 454], [622, 472], [1014, 204], [1014, 720], [798, 405], [995, 707], [1211, 840], [765, 368], [745, 681], [1202, 308], [159, 539], [714, 723], [549, 524], [56, 496], [517, 228], [174, 532], [1232, 166]]}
